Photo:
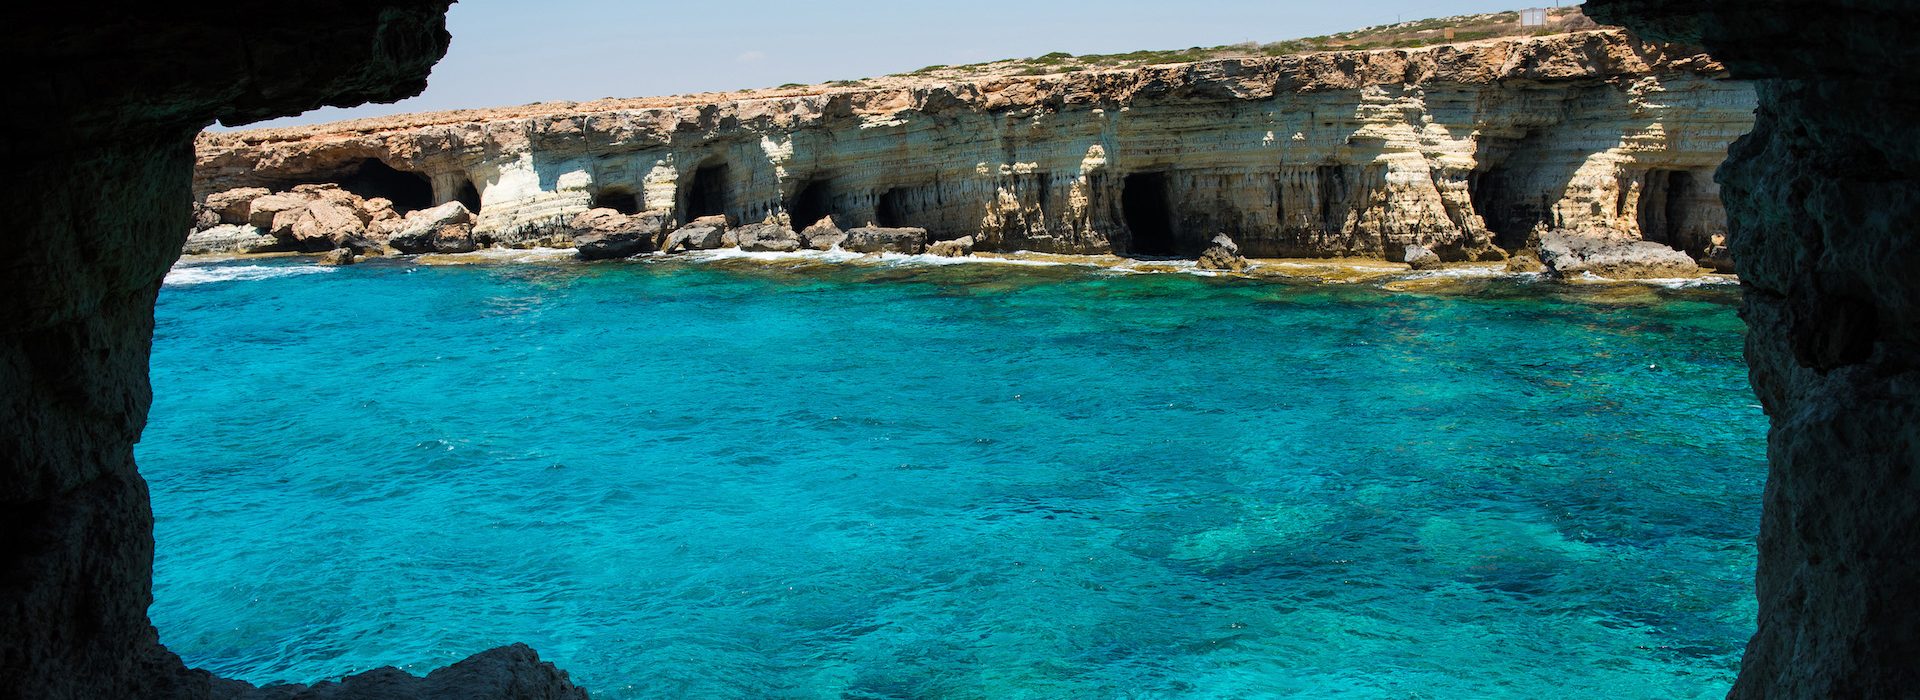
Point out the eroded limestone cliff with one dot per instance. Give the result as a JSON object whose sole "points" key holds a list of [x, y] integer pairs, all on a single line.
{"points": [[1468, 150]]}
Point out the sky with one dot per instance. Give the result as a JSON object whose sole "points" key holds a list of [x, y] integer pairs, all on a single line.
{"points": [[513, 52]]}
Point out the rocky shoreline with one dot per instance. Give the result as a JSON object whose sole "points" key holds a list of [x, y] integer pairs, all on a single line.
{"points": [[1586, 152], [342, 228]]}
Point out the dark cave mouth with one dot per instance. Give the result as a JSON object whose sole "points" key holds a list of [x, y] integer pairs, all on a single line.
{"points": [[1148, 213]]}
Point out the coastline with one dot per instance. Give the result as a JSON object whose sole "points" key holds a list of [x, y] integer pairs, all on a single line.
{"points": [[1448, 278]]}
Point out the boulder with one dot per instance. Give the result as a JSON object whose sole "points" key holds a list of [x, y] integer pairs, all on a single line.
{"points": [[377, 209], [262, 210], [603, 234], [956, 248], [1420, 257], [323, 224], [694, 237], [767, 236], [878, 239], [1525, 260], [1222, 254], [1718, 257], [447, 228], [229, 238], [204, 218], [823, 235], [1571, 253], [234, 206], [337, 256]]}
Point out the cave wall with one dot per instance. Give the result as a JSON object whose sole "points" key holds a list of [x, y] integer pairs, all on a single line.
{"points": [[1823, 205], [1331, 154], [100, 168]]}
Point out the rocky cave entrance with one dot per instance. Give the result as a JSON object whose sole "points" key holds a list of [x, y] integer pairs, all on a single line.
{"points": [[706, 193], [1148, 215], [1492, 198], [408, 191], [1664, 207], [469, 196], [618, 199], [890, 210], [811, 203]]}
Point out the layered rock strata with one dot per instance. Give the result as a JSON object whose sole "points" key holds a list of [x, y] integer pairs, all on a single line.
{"points": [[1467, 150], [99, 178]]}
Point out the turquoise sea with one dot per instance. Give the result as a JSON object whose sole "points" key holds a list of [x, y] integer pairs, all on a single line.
{"points": [[733, 479]]}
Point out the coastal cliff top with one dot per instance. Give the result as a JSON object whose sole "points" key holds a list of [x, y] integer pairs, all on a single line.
{"points": [[1225, 72]]}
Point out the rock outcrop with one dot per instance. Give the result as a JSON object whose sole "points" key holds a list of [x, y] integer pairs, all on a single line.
{"points": [[1463, 149], [1222, 254], [604, 234], [99, 173], [1421, 258], [1823, 199], [880, 239], [1574, 254]]}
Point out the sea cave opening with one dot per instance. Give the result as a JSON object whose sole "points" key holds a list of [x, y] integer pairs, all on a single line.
{"points": [[706, 193], [890, 210], [811, 203], [468, 196], [618, 199], [1664, 207], [1149, 216], [409, 191]]}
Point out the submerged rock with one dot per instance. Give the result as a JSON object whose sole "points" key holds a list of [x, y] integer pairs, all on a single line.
{"points": [[1569, 253], [1422, 258], [880, 239], [1222, 254], [338, 256]]}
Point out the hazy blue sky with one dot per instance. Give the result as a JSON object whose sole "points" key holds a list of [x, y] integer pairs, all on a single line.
{"points": [[510, 52]]}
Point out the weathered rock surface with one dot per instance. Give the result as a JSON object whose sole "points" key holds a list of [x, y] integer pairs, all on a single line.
{"points": [[513, 671], [99, 172], [1571, 254], [338, 257], [230, 238], [958, 247], [1823, 199], [447, 228], [699, 236], [1525, 260], [1463, 149], [878, 239], [604, 234], [823, 234], [1421, 258], [1222, 254], [767, 236], [235, 206]]}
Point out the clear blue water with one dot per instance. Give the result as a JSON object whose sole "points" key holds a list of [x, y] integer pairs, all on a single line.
{"points": [[976, 481]]}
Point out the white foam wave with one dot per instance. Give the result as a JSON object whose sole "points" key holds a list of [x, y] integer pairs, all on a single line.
{"points": [[204, 274], [519, 254], [1686, 282]]}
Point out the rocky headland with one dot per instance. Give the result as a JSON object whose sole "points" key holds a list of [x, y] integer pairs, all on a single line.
{"points": [[1597, 143]]}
